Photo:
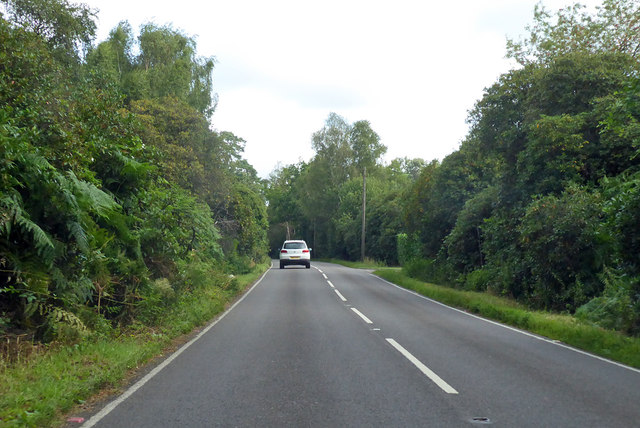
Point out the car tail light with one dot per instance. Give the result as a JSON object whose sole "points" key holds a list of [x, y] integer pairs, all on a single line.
{"points": [[283, 251], [305, 251]]}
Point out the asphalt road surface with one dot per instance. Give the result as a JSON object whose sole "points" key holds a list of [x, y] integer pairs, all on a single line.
{"points": [[337, 347]]}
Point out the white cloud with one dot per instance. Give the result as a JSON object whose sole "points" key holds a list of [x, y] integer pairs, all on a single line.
{"points": [[412, 68]]}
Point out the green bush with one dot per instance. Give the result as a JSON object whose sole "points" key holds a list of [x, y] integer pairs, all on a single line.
{"points": [[617, 308], [408, 248], [478, 280], [433, 271], [563, 249]]}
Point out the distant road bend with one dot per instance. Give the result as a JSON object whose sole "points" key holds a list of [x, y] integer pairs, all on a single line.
{"points": [[334, 347]]}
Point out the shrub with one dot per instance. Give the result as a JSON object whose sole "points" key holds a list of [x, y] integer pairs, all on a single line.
{"points": [[408, 248], [478, 280], [430, 270], [563, 249], [617, 308]]}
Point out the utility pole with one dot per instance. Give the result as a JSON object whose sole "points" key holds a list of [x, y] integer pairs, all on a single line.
{"points": [[364, 208]]}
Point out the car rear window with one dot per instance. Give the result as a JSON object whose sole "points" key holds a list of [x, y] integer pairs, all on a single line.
{"points": [[295, 246]]}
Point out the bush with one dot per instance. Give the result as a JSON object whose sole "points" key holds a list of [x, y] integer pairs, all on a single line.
{"points": [[478, 280], [563, 248], [618, 308], [433, 271], [464, 244], [408, 248]]}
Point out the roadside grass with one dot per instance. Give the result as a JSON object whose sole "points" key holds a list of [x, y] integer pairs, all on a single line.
{"points": [[564, 328], [39, 389], [367, 264]]}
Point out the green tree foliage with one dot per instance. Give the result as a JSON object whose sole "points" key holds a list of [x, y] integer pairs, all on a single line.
{"points": [[66, 27], [436, 198], [166, 65], [614, 28], [365, 145], [321, 201], [286, 219], [539, 201], [111, 180], [562, 249]]}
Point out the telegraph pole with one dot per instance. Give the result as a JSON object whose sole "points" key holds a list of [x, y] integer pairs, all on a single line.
{"points": [[364, 208]]}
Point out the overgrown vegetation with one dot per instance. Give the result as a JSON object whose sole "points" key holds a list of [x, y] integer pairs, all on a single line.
{"points": [[117, 197], [124, 219], [39, 387], [539, 203]]}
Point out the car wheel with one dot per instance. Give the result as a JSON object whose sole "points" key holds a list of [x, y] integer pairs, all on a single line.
{"points": [[281, 265], [308, 265]]}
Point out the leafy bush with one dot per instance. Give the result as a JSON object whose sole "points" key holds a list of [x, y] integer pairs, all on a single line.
{"points": [[433, 271], [478, 280], [618, 308], [408, 248], [563, 249], [464, 243]]}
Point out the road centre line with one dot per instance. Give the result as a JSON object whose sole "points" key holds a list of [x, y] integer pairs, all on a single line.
{"points": [[330, 284], [424, 369], [325, 276], [361, 315], [340, 295]]}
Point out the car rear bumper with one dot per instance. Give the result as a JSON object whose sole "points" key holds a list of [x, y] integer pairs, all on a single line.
{"points": [[299, 262]]}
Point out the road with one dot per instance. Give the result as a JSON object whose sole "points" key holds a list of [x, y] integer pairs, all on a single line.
{"points": [[335, 347]]}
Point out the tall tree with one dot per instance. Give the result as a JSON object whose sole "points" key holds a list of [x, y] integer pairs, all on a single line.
{"points": [[172, 68], [68, 28], [365, 145], [614, 29]]}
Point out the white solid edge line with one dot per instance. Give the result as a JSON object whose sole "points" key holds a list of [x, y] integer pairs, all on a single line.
{"points": [[331, 284], [112, 405], [340, 295], [361, 315], [514, 329], [424, 369]]}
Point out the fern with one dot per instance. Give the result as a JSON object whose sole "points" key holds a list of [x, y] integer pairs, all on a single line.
{"points": [[10, 209], [14, 215], [91, 198], [78, 233]]}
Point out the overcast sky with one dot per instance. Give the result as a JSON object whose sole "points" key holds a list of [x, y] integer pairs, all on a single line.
{"points": [[412, 68]]}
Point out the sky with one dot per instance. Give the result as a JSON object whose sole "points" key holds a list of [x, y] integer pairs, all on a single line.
{"points": [[412, 68]]}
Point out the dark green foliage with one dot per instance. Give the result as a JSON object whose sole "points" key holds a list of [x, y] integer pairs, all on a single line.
{"points": [[99, 225], [321, 201], [408, 248], [429, 270], [166, 66], [540, 202], [618, 306], [67, 28], [563, 249], [464, 243]]}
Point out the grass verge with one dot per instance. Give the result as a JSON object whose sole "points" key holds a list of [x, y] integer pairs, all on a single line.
{"points": [[367, 264], [565, 328], [41, 388]]}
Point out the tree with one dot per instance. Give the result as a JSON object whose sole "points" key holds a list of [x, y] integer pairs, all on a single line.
{"points": [[365, 145], [614, 29], [68, 28], [286, 220], [167, 66], [172, 68]]}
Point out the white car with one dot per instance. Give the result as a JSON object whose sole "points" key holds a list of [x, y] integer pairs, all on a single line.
{"points": [[295, 253]]}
